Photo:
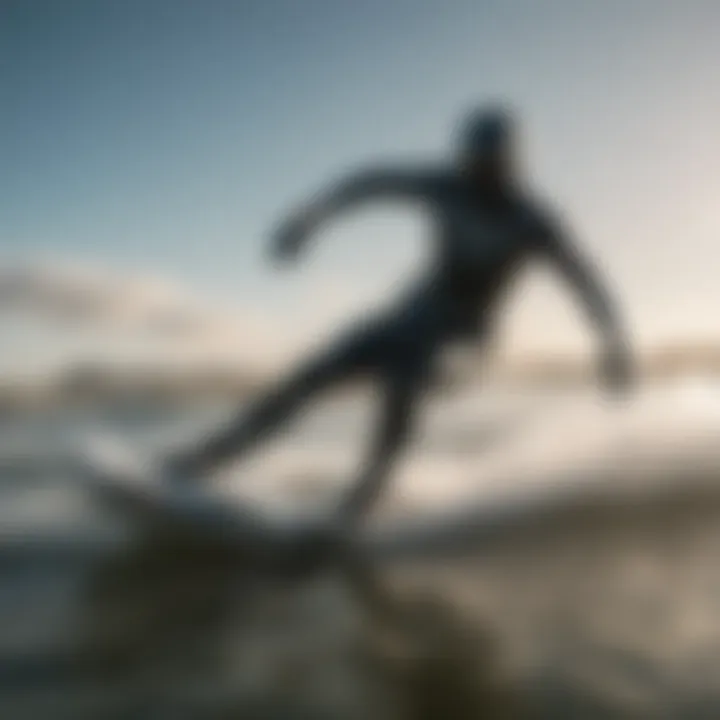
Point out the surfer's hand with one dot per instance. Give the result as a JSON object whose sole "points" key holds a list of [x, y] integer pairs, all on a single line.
{"points": [[290, 237], [617, 371]]}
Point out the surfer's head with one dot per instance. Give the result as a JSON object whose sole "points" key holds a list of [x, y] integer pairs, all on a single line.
{"points": [[486, 146]]}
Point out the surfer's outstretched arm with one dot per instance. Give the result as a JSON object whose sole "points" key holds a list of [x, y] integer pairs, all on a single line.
{"points": [[374, 184], [585, 279]]}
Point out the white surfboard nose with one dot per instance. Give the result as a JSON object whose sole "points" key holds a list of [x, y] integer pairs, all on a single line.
{"points": [[105, 456]]}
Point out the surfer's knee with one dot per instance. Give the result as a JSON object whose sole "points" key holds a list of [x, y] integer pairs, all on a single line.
{"points": [[399, 409], [318, 373]]}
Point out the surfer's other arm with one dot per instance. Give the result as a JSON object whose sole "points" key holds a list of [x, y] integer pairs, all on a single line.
{"points": [[368, 185], [584, 278]]}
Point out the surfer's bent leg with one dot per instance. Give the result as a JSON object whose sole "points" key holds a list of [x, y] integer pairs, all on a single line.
{"points": [[273, 410], [328, 543], [396, 424], [408, 363]]}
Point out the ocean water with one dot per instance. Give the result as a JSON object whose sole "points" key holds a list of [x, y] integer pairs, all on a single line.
{"points": [[607, 605]]}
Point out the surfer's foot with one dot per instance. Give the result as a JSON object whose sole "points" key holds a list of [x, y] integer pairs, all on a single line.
{"points": [[314, 550], [182, 470]]}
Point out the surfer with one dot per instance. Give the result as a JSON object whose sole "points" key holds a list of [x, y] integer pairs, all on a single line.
{"points": [[487, 226]]}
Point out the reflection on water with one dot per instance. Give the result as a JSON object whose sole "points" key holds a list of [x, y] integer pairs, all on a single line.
{"points": [[609, 611]]}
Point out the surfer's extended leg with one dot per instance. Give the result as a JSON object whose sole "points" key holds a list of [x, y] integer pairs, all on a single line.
{"points": [[267, 415], [273, 410]]}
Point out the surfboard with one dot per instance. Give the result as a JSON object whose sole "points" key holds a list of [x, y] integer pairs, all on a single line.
{"points": [[129, 484]]}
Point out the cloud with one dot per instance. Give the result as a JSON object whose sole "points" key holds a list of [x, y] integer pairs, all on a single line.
{"points": [[91, 296], [117, 309]]}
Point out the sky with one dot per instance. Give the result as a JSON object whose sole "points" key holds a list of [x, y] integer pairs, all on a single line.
{"points": [[167, 137]]}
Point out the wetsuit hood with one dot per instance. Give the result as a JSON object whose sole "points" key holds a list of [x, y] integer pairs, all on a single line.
{"points": [[485, 151]]}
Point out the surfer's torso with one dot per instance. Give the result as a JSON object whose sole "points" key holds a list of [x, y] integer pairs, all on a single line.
{"points": [[480, 244]]}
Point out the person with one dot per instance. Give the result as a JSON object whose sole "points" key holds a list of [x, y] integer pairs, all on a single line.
{"points": [[487, 226]]}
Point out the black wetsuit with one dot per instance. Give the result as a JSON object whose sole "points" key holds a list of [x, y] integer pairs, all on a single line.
{"points": [[483, 237]]}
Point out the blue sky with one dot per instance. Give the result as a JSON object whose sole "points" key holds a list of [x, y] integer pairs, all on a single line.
{"points": [[168, 135]]}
